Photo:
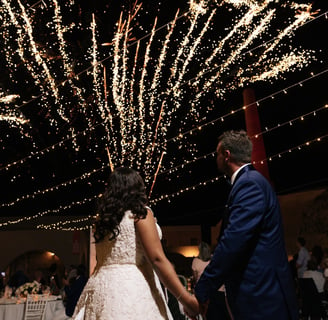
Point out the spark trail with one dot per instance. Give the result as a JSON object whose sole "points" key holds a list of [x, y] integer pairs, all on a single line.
{"points": [[143, 92]]}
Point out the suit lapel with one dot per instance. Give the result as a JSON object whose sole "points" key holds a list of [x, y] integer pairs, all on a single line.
{"points": [[243, 170], [226, 213]]}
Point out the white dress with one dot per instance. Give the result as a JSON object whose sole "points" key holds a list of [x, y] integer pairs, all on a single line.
{"points": [[123, 285]]}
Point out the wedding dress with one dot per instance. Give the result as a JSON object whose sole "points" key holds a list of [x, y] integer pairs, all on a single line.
{"points": [[123, 285]]}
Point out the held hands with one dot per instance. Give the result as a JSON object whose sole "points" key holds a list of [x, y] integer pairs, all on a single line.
{"points": [[191, 307], [203, 307]]}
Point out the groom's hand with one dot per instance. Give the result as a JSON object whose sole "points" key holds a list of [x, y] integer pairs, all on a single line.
{"points": [[203, 307]]}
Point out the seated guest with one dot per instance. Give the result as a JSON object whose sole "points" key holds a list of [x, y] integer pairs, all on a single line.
{"points": [[2, 286], [317, 276], [18, 278], [39, 277], [74, 289], [325, 273], [318, 253]]}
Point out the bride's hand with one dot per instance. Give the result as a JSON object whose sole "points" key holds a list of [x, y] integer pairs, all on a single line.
{"points": [[191, 307]]}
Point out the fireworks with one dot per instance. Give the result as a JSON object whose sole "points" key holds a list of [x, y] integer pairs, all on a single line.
{"points": [[142, 92]]}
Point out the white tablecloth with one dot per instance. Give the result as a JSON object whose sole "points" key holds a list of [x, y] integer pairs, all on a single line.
{"points": [[10, 310]]}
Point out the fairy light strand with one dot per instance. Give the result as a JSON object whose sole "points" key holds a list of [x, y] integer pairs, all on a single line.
{"points": [[164, 196], [73, 136], [61, 225], [173, 169], [162, 120], [204, 183], [179, 136], [43, 213]]}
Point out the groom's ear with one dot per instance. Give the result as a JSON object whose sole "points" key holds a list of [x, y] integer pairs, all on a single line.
{"points": [[227, 155]]}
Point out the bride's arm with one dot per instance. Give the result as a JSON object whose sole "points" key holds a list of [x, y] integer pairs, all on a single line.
{"points": [[148, 235]]}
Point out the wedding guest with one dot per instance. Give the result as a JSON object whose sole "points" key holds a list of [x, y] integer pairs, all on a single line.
{"points": [[201, 261], [217, 305], [318, 253], [2, 283], [73, 289], [317, 276], [39, 277], [250, 258], [72, 273], [293, 269], [54, 280], [130, 259], [302, 258], [325, 274], [18, 278]]}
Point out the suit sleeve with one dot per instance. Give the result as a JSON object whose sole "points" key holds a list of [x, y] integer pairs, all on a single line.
{"points": [[239, 238]]}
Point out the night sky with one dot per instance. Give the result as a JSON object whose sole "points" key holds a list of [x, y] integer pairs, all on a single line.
{"points": [[46, 172]]}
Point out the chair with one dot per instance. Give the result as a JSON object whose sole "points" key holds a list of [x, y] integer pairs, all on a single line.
{"points": [[183, 280], [311, 301], [35, 306]]}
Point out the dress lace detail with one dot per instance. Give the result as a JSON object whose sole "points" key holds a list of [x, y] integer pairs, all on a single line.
{"points": [[123, 285]]}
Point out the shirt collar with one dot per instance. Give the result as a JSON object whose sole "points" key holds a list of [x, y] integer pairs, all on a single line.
{"points": [[234, 175]]}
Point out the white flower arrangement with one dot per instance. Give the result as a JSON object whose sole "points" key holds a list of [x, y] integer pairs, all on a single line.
{"points": [[28, 288]]}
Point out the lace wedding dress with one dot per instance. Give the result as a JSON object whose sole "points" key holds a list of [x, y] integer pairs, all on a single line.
{"points": [[123, 285]]}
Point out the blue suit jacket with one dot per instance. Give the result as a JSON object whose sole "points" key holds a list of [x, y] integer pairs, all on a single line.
{"points": [[250, 258]]}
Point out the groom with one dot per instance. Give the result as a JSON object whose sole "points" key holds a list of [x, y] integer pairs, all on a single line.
{"points": [[250, 258]]}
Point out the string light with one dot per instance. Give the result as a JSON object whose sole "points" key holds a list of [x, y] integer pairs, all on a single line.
{"points": [[298, 147], [257, 102], [146, 147], [41, 152], [267, 130], [61, 225], [43, 213], [183, 190], [171, 170], [54, 188], [168, 197]]}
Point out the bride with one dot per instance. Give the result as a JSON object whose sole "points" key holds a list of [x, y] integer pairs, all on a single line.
{"points": [[130, 259]]}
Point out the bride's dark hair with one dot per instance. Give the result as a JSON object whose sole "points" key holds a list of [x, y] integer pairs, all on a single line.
{"points": [[125, 191]]}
